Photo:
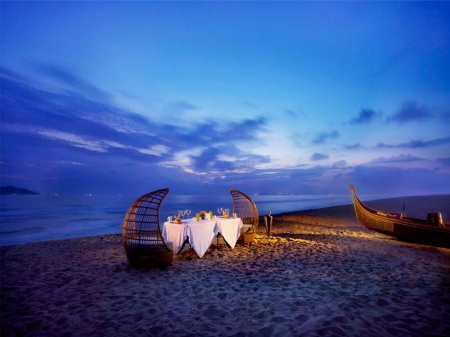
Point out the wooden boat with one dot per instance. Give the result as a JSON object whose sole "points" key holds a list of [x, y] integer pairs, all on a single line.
{"points": [[433, 231]]}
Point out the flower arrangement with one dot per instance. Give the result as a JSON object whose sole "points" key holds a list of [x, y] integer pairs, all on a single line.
{"points": [[203, 215]]}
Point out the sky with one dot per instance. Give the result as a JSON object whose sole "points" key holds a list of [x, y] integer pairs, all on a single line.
{"points": [[199, 97]]}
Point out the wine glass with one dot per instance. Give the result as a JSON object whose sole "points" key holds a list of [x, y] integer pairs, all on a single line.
{"points": [[219, 210], [187, 212], [182, 213]]}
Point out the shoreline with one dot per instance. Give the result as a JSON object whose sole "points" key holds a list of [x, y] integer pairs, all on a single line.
{"points": [[66, 222], [320, 274], [416, 207]]}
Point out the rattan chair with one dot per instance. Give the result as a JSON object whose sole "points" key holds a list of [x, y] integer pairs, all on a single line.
{"points": [[245, 209], [141, 232]]}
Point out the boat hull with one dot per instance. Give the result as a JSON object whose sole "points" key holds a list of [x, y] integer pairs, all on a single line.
{"points": [[405, 229]]}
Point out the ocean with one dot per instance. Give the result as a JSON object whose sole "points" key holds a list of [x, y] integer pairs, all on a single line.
{"points": [[34, 218]]}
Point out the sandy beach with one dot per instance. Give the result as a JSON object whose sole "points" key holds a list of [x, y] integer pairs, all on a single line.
{"points": [[319, 274]]}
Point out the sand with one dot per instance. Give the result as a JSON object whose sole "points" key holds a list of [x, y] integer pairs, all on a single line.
{"points": [[320, 274]]}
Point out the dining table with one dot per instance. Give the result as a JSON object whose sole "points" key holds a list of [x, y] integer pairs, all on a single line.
{"points": [[200, 234]]}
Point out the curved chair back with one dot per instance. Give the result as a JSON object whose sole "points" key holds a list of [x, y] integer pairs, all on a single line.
{"points": [[141, 232], [245, 209]]}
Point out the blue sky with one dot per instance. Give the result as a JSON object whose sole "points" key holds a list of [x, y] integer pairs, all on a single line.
{"points": [[200, 97]]}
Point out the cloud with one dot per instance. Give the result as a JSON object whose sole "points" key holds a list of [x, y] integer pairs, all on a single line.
{"points": [[408, 161], [76, 141], [225, 159], [155, 150], [57, 142], [246, 129], [410, 112], [250, 161], [211, 132], [319, 156], [70, 163], [205, 159], [403, 158], [365, 116], [83, 127], [181, 113], [416, 144], [324, 136], [51, 120], [25, 104], [218, 133], [355, 146], [74, 82], [340, 164], [395, 159], [386, 180], [10, 75]]}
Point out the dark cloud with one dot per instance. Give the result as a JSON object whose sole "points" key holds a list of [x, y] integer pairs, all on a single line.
{"points": [[211, 133], [244, 130], [73, 121], [417, 144], [319, 156], [365, 116], [70, 143], [51, 125], [208, 159], [395, 159], [74, 82], [385, 180], [324, 136], [443, 162], [410, 112], [356, 146], [47, 128], [6, 73], [340, 164], [224, 166]]}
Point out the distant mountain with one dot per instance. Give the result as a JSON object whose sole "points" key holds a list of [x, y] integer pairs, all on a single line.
{"points": [[8, 190]]}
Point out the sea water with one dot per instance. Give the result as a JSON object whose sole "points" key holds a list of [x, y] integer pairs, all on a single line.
{"points": [[34, 218]]}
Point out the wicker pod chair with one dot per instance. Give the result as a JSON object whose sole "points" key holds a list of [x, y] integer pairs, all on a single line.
{"points": [[245, 209], [141, 232]]}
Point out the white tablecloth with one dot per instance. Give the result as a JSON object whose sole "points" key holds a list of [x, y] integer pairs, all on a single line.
{"points": [[230, 229], [201, 233], [175, 233]]}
